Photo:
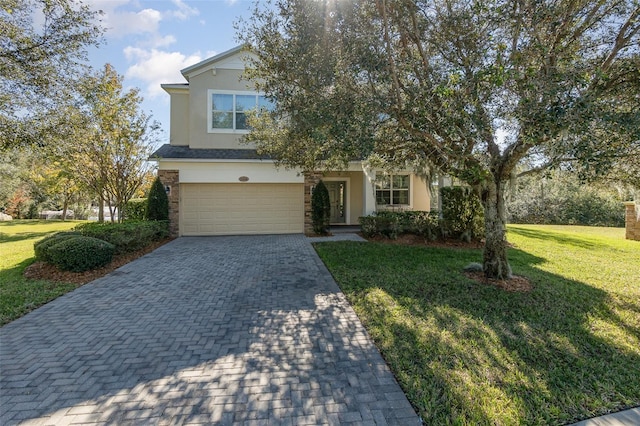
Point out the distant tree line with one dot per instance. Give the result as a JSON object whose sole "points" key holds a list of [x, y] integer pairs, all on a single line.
{"points": [[560, 198]]}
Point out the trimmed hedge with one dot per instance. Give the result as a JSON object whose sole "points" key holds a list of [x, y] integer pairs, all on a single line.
{"points": [[136, 209], [392, 224], [79, 253], [41, 248], [126, 236], [462, 217]]}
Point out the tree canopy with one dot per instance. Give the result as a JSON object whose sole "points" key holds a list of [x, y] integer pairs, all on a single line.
{"points": [[471, 88], [113, 138], [42, 53]]}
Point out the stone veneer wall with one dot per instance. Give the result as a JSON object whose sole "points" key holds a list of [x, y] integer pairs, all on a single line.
{"points": [[311, 179], [632, 221], [171, 178]]}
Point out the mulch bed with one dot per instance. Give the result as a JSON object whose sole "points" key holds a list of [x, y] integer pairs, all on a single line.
{"points": [[516, 283], [46, 271]]}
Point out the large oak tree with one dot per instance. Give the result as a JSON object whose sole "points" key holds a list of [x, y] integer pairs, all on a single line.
{"points": [[471, 88]]}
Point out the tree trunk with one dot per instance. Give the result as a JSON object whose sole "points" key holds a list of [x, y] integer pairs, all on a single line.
{"points": [[101, 209], [65, 206], [495, 263]]}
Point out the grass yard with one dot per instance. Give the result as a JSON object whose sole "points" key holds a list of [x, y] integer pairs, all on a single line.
{"points": [[467, 353], [19, 295]]}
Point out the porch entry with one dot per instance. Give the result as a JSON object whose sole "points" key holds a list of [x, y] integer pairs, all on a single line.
{"points": [[338, 200]]}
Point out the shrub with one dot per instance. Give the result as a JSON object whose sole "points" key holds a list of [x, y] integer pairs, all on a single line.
{"points": [[157, 202], [393, 224], [41, 248], [79, 253], [426, 224], [126, 236], [390, 224], [136, 209], [320, 209], [368, 226], [462, 213]]}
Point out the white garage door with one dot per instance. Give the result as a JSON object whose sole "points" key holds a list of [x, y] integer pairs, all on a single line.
{"points": [[241, 208]]}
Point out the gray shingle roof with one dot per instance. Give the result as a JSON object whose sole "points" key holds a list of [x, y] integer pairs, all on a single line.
{"points": [[184, 152]]}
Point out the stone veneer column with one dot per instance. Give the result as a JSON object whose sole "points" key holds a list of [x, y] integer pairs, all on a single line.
{"points": [[632, 221], [311, 179], [171, 178]]}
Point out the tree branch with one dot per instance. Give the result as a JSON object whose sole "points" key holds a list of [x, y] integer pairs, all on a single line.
{"points": [[622, 39]]}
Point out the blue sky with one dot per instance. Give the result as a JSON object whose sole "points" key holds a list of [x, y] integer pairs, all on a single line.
{"points": [[150, 41]]}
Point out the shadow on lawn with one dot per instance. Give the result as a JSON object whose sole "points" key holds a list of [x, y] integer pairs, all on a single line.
{"points": [[473, 354], [9, 238], [563, 239]]}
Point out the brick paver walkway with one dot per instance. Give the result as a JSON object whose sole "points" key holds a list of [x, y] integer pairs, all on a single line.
{"points": [[220, 330]]}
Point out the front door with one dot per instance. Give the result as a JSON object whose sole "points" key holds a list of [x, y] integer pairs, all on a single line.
{"points": [[337, 197]]}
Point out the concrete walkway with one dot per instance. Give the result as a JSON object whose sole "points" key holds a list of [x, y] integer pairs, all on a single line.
{"points": [[623, 418], [219, 330]]}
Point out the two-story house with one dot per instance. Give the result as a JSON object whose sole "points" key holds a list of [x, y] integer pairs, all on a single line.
{"points": [[218, 186]]}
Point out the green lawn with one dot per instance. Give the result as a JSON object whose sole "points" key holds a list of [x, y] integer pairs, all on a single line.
{"points": [[468, 353], [19, 295]]}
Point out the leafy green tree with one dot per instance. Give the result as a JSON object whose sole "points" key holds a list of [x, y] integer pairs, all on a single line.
{"points": [[157, 202], [42, 53], [470, 88], [113, 139], [13, 168]]}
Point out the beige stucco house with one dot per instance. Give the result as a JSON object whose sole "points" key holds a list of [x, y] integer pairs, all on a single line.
{"points": [[218, 186]]}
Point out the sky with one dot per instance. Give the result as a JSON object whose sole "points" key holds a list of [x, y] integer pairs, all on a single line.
{"points": [[150, 41]]}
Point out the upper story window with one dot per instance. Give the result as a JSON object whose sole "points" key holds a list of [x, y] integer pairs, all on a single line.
{"points": [[228, 109], [392, 190]]}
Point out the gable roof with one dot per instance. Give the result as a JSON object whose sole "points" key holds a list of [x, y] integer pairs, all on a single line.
{"points": [[226, 59]]}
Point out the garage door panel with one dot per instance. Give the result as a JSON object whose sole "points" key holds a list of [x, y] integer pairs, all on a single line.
{"points": [[225, 209]]}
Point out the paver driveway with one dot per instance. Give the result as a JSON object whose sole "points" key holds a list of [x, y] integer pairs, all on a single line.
{"points": [[218, 330]]}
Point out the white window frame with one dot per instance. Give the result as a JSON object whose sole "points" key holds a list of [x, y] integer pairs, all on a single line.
{"points": [[391, 189], [235, 93]]}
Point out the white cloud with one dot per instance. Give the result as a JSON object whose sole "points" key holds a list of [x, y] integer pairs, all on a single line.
{"points": [[123, 17], [144, 21], [155, 67], [183, 11], [159, 41], [120, 23]]}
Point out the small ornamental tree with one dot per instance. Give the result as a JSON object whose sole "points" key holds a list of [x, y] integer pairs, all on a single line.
{"points": [[320, 209], [157, 202]]}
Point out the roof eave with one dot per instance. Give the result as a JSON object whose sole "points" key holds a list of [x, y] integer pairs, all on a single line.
{"points": [[186, 72]]}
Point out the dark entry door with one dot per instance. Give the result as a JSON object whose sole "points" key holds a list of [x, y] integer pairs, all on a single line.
{"points": [[337, 197]]}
